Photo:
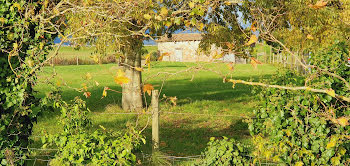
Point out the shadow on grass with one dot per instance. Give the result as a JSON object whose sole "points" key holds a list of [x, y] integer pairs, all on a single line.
{"points": [[188, 135], [181, 135], [201, 89]]}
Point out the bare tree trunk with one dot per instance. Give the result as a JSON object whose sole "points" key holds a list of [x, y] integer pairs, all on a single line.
{"points": [[132, 91]]}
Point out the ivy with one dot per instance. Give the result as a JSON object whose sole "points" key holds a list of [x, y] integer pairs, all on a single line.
{"points": [[300, 127], [20, 50], [224, 152]]}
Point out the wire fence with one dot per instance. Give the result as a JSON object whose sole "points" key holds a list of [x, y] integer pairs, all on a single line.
{"points": [[43, 156], [176, 113], [145, 159]]}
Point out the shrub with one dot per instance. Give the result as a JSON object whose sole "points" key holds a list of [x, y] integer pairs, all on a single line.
{"points": [[23, 45], [301, 127], [224, 152], [98, 148], [77, 146]]}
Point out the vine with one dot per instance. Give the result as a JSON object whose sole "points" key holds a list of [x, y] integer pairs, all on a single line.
{"points": [[24, 43]]}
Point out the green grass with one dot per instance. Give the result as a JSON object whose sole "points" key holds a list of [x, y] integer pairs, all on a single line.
{"points": [[198, 92]]}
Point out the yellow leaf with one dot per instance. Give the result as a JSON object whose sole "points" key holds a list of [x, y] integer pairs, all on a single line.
{"points": [[191, 4], [104, 93], [253, 27], [332, 143], [187, 23], [168, 23], [252, 40], [2, 20], [160, 58], [288, 133], [41, 45], [299, 163], [148, 88], [46, 2], [173, 100], [148, 60], [58, 83], [103, 128], [164, 11], [330, 92], [15, 46], [319, 4], [121, 80], [230, 66], [218, 56], [84, 86], [233, 82], [88, 76], [200, 26], [120, 73], [310, 37], [342, 151], [159, 18], [335, 160], [138, 69], [147, 16], [97, 84], [343, 121], [17, 5], [95, 58]]}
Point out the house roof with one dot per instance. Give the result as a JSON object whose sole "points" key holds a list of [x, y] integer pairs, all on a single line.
{"points": [[181, 37]]}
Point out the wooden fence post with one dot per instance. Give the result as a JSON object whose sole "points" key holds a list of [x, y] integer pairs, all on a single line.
{"points": [[155, 119], [77, 60]]}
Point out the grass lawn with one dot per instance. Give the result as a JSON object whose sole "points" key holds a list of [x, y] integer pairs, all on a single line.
{"points": [[198, 92]]}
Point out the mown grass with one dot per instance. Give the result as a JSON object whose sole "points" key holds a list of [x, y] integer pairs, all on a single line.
{"points": [[198, 92]]}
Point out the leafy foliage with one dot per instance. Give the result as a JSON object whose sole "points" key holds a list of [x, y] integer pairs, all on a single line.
{"points": [[77, 146], [23, 45], [98, 148], [224, 152], [301, 127]]}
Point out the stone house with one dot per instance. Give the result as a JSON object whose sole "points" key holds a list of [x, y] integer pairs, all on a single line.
{"points": [[184, 48]]}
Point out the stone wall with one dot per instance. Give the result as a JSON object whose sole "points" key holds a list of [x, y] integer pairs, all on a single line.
{"points": [[189, 51]]}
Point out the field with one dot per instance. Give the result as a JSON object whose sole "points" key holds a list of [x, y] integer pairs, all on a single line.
{"points": [[198, 92]]}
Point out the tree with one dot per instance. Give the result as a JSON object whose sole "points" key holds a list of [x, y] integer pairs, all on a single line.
{"points": [[304, 116], [122, 26]]}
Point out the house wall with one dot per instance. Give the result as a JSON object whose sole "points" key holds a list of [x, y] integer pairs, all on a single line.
{"points": [[190, 54], [188, 48]]}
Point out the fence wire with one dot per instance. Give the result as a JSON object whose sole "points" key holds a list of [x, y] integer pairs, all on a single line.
{"points": [[175, 113], [146, 159]]}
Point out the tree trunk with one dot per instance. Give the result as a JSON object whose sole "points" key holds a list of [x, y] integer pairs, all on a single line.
{"points": [[132, 91]]}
